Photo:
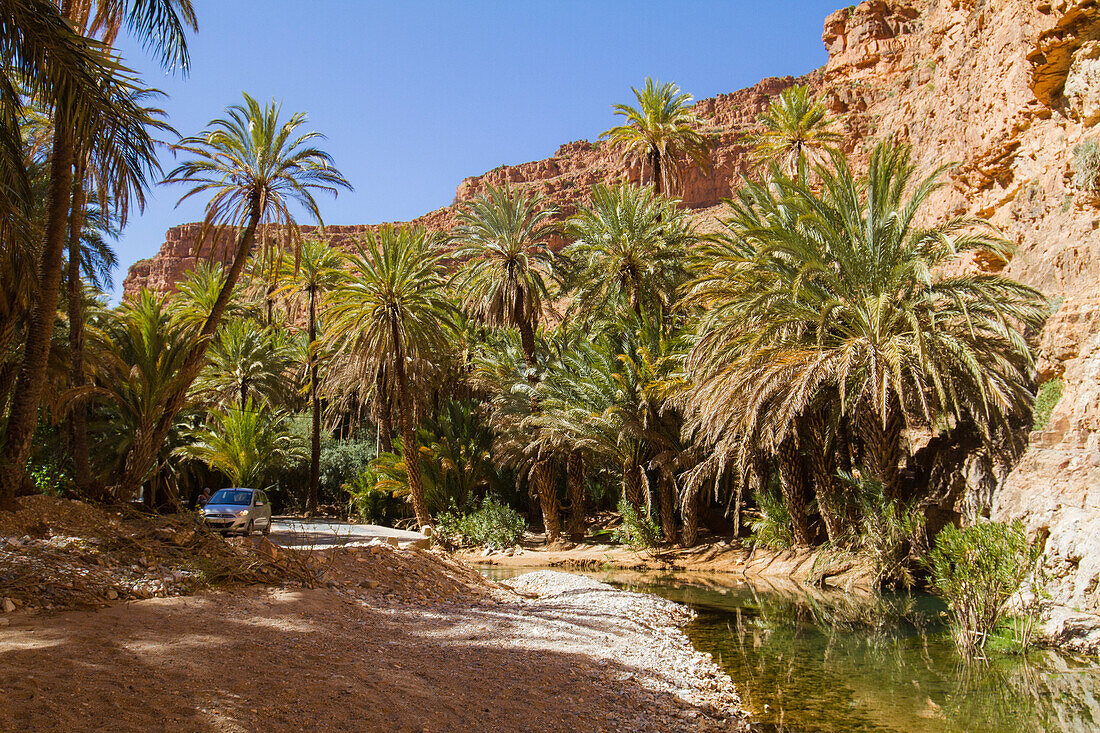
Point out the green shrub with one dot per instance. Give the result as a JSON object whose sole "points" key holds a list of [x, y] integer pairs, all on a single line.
{"points": [[494, 525], [1050, 392], [773, 528], [637, 531], [976, 571]]}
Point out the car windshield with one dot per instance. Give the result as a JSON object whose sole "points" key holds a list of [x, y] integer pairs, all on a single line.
{"points": [[232, 496]]}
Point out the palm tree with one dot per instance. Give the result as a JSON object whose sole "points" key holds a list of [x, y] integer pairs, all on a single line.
{"points": [[247, 444], [503, 242], [315, 273], [98, 108], [246, 362], [134, 357], [390, 316], [89, 257], [255, 165], [836, 299], [660, 133], [795, 133], [629, 251]]}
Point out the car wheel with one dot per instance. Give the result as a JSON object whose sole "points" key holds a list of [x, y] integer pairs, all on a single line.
{"points": [[267, 528]]}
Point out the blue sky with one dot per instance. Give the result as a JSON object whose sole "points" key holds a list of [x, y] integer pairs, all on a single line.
{"points": [[414, 96]]}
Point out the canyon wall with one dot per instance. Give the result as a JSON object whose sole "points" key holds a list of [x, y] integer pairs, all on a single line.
{"points": [[1009, 90]]}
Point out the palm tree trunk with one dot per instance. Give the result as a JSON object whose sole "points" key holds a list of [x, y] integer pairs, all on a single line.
{"points": [[82, 472], [315, 408], [794, 483], [655, 162], [408, 434], [755, 480], [147, 444], [632, 483], [31, 383], [668, 505], [575, 473], [830, 497], [8, 372], [527, 343], [412, 464], [881, 437], [689, 533], [543, 475]]}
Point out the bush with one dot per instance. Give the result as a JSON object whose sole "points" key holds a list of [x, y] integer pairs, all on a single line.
{"points": [[890, 533], [1086, 166], [494, 525], [1050, 392], [976, 571], [637, 531], [342, 461], [773, 527]]}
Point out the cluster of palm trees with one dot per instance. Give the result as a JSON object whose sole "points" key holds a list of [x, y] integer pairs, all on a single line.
{"points": [[800, 348]]}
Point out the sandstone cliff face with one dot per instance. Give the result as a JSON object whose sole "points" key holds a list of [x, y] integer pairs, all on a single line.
{"points": [[1005, 88]]}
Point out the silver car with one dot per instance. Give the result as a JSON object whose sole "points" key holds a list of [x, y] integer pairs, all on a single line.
{"points": [[238, 510]]}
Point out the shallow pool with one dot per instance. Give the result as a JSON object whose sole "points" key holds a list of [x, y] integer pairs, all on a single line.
{"points": [[828, 662]]}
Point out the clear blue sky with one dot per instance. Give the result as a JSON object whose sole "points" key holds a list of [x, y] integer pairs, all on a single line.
{"points": [[415, 95]]}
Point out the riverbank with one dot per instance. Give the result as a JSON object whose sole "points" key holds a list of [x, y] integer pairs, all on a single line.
{"points": [[717, 556], [403, 640], [800, 571]]}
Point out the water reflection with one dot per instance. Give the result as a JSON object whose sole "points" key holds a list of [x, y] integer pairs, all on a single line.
{"points": [[809, 660]]}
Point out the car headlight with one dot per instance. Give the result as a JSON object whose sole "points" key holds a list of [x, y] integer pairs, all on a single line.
{"points": [[242, 513]]}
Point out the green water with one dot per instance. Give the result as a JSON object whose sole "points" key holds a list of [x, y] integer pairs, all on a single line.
{"points": [[805, 660]]}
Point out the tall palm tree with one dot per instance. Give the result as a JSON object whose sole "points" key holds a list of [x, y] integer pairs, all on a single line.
{"points": [[390, 317], [89, 257], [629, 252], [119, 132], [837, 296], [503, 239], [795, 133], [255, 165], [660, 133], [315, 273]]}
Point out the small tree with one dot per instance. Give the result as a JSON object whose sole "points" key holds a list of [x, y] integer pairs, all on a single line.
{"points": [[976, 571]]}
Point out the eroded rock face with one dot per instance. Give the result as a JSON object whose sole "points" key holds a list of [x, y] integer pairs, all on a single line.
{"points": [[1004, 88], [1055, 489]]}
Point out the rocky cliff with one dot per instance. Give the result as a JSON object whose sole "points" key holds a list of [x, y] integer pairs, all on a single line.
{"points": [[1007, 89]]}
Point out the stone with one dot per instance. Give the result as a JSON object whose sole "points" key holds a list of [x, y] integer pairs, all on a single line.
{"points": [[6, 605], [1082, 87], [426, 530], [112, 594]]}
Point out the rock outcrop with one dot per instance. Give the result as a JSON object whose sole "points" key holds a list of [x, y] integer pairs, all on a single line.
{"points": [[1008, 90]]}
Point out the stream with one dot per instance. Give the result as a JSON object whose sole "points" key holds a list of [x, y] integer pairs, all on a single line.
{"points": [[806, 660]]}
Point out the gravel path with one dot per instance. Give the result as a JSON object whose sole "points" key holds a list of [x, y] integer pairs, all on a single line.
{"points": [[399, 640]]}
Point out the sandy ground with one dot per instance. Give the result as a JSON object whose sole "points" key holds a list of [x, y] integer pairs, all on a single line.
{"points": [[397, 640]]}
